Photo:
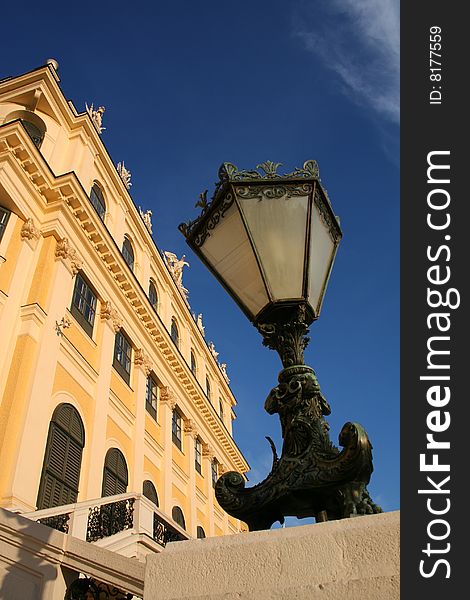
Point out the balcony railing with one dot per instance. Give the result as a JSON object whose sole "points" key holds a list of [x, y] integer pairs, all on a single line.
{"points": [[102, 518]]}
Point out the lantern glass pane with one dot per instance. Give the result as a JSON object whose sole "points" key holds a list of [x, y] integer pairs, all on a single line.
{"points": [[278, 228], [228, 250], [322, 249]]}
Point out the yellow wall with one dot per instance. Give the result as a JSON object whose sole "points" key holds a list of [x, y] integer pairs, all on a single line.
{"points": [[13, 406], [11, 256]]}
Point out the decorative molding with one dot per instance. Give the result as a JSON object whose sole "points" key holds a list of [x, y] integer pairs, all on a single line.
{"points": [[30, 233], [110, 314], [208, 451], [142, 361], [190, 427], [167, 396], [69, 255]]}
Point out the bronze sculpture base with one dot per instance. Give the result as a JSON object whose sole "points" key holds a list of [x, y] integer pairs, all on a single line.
{"points": [[312, 478]]}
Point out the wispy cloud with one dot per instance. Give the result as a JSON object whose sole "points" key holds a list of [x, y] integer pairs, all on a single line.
{"points": [[359, 41]]}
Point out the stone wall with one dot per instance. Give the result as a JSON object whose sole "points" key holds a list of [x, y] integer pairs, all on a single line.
{"points": [[353, 559]]}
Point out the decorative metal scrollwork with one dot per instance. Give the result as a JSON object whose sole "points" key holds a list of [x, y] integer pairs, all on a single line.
{"points": [[87, 588], [59, 522], [108, 519], [164, 532]]}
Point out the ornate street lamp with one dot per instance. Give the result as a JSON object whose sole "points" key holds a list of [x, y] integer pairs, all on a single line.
{"points": [[271, 241]]}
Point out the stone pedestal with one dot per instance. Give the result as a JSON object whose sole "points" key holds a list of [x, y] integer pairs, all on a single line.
{"points": [[355, 558]]}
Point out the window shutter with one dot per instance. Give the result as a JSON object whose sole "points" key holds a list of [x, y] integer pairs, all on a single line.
{"points": [[62, 460], [115, 477], [150, 492]]}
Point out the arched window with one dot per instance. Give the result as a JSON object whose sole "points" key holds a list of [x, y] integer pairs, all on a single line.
{"points": [[153, 296], [193, 364], [97, 200], [33, 124], [114, 473], [200, 533], [178, 517], [128, 252], [149, 491], [208, 388], [175, 336], [62, 459]]}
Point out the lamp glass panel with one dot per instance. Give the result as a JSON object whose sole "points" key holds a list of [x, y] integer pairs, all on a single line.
{"points": [[322, 249], [228, 250], [278, 228]]}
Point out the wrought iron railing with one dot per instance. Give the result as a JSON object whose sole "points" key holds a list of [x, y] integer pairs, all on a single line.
{"points": [[59, 522], [99, 519], [109, 519], [163, 532]]}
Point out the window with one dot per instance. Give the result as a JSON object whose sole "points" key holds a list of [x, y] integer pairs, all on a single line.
{"points": [[83, 304], [178, 517], [34, 132], [149, 491], [214, 471], [62, 459], [151, 396], [4, 216], [114, 473], [174, 333], [97, 201], [122, 356], [193, 364], [128, 252], [176, 428], [198, 455], [153, 296], [221, 410], [208, 388], [200, 533], [33, 124]]}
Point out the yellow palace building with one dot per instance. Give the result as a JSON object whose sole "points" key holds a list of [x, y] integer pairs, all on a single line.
{"points": [[115, 415]]}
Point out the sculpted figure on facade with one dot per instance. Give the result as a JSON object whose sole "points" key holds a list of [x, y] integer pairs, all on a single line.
{"points": [[147, 218], [124, 174], [212, 350], [200, 325], [223, 368], [176, 266], [96, 116]]}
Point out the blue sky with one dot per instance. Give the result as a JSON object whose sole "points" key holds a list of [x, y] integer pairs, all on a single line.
{"points": [[189, 85]]}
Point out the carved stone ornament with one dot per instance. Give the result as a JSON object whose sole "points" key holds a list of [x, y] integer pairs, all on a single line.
{"points": [[190, 428], [199, 324], [65, 252], [167, 396], [143, 361], [29, 231], [146, 218], [208, 451], [223, 368], [96, 116], [212, 350], [176, 265], [124, 174], [108, 313]]}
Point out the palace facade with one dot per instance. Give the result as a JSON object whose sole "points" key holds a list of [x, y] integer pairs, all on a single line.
{"points": [[108, 387]]}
